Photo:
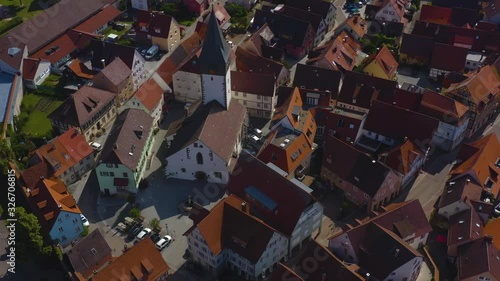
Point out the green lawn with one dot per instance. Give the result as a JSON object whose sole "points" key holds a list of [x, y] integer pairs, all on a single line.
{"points": [[35, 110], [29, 9]]}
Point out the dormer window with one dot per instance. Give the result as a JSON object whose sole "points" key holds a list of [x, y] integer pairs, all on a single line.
{"points": [[497, 163], [157, 30], [488, 183]]}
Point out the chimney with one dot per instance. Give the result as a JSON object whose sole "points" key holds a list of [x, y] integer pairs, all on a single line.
{"points": [[488, 239], [103, 61], [367, 276], [355, 20], [42, 177], [59, 206], [396, 253], [244, 206]]}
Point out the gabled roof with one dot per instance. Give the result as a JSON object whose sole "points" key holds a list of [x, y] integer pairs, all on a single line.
{"points": [[217, 128], [399, 123], [290, 30], [480, 257], [441, 106], [11, 52], [90, 253], [127, 138], [33, 174], [81, 106], [356, 24], [81, 70], [312, 77], [157, 24], [313, 18], [250, 239], [414, 45], [448, 57], [109, 51], [339, 53], [107, 14], [257, 40], [65, 151], [135, 264], [464, 16], [436, 14], [116, 72], [149, 94], [215, 49], [482, 86], [48, 198], [354, 166], [364, 89], [462, 189], [399, 6], [249, 62], [403, 157], [464, 226], [373, 243], [69, 14], [30, 67], [492, 228], [290, 200], [479, 160], [64, 45], [319, 7], [385, 60], [253, 83], [329, 267]]}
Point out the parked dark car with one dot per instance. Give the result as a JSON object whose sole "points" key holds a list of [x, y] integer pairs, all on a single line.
{"points": [[134, 231], [155, 237], [194, 267]]}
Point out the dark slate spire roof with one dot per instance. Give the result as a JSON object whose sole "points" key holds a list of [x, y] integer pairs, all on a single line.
{"points": [[215, 48]]}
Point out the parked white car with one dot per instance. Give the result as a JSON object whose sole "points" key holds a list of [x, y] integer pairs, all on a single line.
{"points": [[143, 233], [85, 221], [96, 146], [164, 242]]}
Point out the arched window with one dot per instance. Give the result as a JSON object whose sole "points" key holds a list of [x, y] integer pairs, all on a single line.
{"points": [[199, 158]]}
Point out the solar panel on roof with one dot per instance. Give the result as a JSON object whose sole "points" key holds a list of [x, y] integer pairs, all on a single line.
{"points": [[260, 197]]}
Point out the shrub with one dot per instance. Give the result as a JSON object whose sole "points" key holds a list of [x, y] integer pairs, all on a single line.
{"points": [[15, 21], [85, 231], [135, 213], [98, 134]]}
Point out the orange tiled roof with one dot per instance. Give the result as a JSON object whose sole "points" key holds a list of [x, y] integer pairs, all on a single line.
{"points": [[80, 70], [401, 158], [143, 260], [340, 52], [150, 94], [479, 159], [357, 24], [493, 229], [386, 61]]}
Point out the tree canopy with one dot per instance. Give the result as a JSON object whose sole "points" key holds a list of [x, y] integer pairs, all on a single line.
{"points": [[29, 239]]}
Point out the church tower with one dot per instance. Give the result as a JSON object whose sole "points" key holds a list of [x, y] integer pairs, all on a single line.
{"points": [[214, 61]]}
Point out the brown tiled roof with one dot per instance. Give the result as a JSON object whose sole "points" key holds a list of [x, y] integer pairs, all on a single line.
{"points": [[312, 77], [250, 239], [30, 67], [63, 46], [313, 18], [128, 135], [339, 53], [349, 163], [479, 257], [481, 85], [414, 45], [15, 60], [110, 51], [81, 70], [150, 94], [32, 175], [253, 83], [90, 253], [215, 127], [365, 89], [329, 267], [134, 264], [316, 6], [462, 189], [464, 226], [478, 160], [386, 60], [81, 106], [259, 38], [69, 14], [291, 201], [448, 57], [441, 106], [248, 62], [104, 16], [157, 24], [116, 72], [399, 123], [403, 157], [373, 243], [436, 14]]}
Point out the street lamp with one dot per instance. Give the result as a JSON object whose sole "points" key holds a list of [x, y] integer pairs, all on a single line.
{"points": [[166, 227]]}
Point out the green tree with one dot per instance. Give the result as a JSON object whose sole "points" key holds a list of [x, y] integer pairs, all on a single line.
{"points": [[6, 155], [135, 213], [236, 10], [170, 9], [376, 42], [154, 223], [29, 240]]}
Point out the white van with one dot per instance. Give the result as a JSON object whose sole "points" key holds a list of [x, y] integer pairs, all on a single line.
{"points": [[152, 52]]}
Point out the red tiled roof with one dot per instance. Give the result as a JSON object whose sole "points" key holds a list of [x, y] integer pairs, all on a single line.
{"points": [[134, 264], [157, 23], [386, 61], [436, 14], [415, 45], [30, 67], [403, 157], [338, 54], [150, 94], [63, 46], [448, 57], [464, 226], [479, 257], [356, 24], [462, 190], [291, 201], [253, 83], [103, 17], [9, 43]]}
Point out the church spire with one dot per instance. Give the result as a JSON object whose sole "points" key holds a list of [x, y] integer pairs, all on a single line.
{"points": [[216, 53]]}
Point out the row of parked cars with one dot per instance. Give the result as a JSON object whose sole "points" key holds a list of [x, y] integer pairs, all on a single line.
{"points": [[352, 7], [138, 232]]}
